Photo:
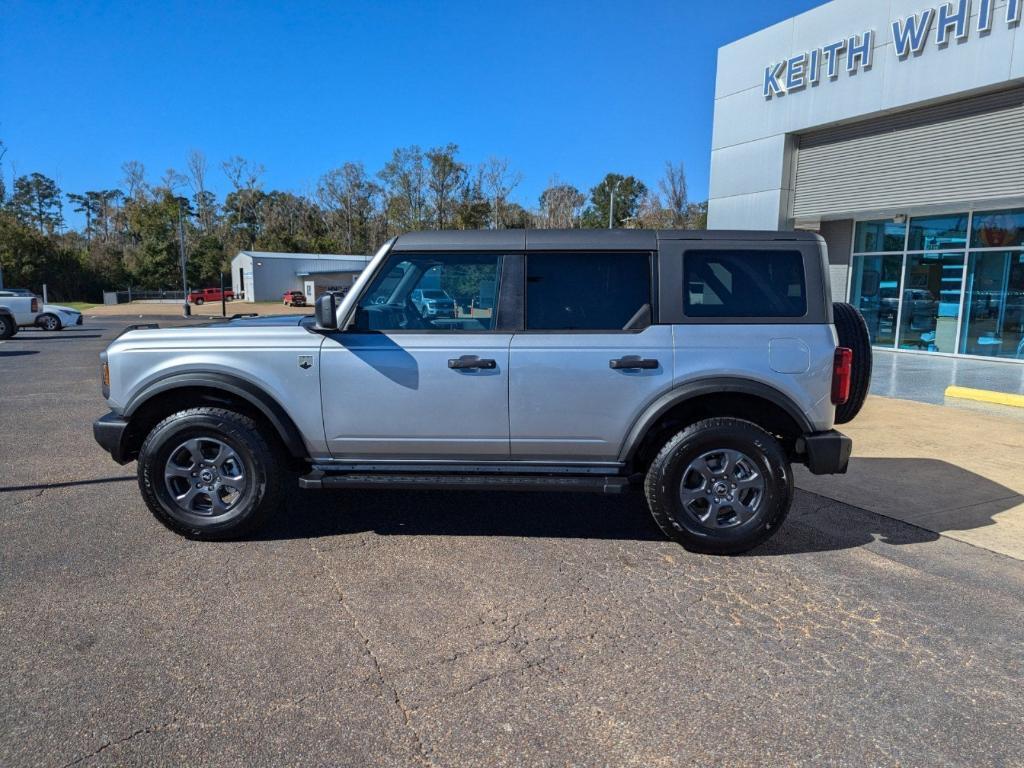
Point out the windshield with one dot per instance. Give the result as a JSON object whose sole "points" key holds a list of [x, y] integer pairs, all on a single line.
{"points": [[435, 295]]}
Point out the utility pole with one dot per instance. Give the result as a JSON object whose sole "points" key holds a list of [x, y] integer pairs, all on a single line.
{"points": [[611, 208], [185, 308]]}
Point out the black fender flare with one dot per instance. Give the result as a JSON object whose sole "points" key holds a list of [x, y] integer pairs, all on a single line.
{"points": [[239, 387], [710, 386]]}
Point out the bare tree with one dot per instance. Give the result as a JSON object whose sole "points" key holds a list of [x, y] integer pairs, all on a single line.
{"points": [[560, 205], [172, 180], [498, 183], [204, 201], [348, 192], [405, 181], [242, 174], [445, 181], [135, 179], [673, 187]]}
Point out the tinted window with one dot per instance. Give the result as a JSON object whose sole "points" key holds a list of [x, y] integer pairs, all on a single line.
{"points": [[468, 283], [586, 291], [744, 284]]}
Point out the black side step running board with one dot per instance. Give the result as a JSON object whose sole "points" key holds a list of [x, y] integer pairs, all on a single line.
{"points": [[473, 482]]}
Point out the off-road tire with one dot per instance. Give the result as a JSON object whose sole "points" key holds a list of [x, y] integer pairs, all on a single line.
{"points": [[666, 475], [46, 319], [853, 334], [261, 457], [8, 327]]}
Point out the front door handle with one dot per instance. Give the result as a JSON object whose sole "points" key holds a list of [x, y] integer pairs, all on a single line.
{"points": [[472, 363], [633, 363]]}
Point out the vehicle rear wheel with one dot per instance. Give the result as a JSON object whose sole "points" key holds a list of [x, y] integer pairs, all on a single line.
{"points": [[49, 322], [853, 334], [7, 327], [721, 486], [210, 473]]}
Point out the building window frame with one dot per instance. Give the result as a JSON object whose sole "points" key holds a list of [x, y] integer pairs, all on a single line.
{"points": [[967, 251]]}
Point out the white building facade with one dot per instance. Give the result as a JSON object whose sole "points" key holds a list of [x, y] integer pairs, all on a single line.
{"points": [[895, 129]]}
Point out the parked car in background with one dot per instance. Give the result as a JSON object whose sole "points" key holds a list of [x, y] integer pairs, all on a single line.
{"points": [[18, 308], [433, 302], [203, 295], [56, 317], [294, 299]]}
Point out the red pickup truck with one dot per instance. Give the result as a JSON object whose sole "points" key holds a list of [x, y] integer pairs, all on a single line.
{"points": [[203, 295]]}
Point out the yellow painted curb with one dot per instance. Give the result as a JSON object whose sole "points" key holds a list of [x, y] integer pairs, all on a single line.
{"points": [[986, 396]]}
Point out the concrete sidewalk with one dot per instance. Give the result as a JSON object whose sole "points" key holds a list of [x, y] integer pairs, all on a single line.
{"points": [[954, 471]]}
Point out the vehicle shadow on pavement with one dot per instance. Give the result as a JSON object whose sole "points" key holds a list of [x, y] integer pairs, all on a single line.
{"points": [[316, 514], [68, 484], [932, 494], [19, 353]]}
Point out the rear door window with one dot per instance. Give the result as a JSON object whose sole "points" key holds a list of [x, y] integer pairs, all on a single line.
{"points": [[744, 283], [587, 291]]}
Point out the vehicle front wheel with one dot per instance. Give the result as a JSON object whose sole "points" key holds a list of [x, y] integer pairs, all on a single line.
{"points": [[199, 301], [49, 322], [210, 473], [721, 486]]}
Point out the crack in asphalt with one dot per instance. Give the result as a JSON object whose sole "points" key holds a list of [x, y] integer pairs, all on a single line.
{"points": [[115, 742], [385, 684]]}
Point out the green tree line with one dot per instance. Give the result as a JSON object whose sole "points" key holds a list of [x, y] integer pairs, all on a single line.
{"points": [[129, 235]]}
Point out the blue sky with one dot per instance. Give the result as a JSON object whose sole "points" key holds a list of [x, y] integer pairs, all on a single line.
{"points": [[568, 88]]}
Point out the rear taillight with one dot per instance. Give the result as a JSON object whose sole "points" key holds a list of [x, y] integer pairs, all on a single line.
{"points": [[35, 304], [842, 374]]}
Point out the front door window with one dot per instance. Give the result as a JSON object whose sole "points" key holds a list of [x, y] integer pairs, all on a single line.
{"points": [[453, 292]]}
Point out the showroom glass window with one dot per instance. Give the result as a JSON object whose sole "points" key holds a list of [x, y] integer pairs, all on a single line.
{"points": [[993, 323], [877, 276], [957, 286]]}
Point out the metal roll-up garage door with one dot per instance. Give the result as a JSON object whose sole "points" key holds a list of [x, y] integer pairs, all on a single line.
{"points": [[968, 151]]}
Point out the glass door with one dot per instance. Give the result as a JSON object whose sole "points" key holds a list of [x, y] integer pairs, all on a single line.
{"points": [[932, 284]]}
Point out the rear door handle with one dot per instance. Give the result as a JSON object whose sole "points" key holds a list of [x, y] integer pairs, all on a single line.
{"points": [[472, 363], [633, 363]]}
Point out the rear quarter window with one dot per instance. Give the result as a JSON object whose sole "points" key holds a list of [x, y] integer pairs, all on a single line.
{"points": [[744, 283]]}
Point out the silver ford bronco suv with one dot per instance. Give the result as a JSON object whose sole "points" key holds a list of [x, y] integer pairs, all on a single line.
{"points": [[694, 366]]}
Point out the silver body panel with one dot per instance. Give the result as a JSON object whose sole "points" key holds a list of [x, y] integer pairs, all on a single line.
{"points": [[726, 351], [394, 396], [566, 403], [267, 357]]}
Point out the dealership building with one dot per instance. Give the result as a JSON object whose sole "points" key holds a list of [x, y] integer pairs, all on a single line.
{"points": [[895, 130]]}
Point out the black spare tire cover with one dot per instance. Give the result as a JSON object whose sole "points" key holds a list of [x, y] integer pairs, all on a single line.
{"points": [[853, 334]]}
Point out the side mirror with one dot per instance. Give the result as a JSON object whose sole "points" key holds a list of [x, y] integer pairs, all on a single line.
{"points": [[327, 312]]}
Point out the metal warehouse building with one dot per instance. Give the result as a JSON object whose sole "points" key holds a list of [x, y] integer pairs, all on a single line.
{"points": [[895, 129], [264, 276]]}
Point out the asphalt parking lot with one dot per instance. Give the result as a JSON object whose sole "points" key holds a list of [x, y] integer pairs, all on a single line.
{"points": [[465, 629]]}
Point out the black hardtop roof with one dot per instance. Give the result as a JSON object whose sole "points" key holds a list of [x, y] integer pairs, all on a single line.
{"points": [[579, 239]]}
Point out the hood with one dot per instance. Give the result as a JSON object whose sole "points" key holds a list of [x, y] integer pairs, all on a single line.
{"points": [[264, 321], [60, 308]]}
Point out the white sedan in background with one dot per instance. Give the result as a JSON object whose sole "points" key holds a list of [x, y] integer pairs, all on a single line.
{"points": [[55, 317]]}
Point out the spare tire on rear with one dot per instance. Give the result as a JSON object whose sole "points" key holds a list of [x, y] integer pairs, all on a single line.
{"points": [[853, 334]]}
